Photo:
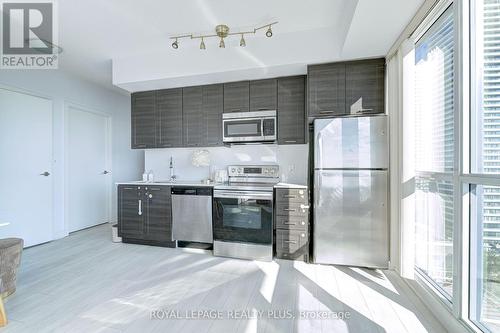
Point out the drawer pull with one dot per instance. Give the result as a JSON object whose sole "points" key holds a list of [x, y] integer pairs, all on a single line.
{"points": [[288, 196], [290, 242], [289, 210], [304, 206], [289, 223]]}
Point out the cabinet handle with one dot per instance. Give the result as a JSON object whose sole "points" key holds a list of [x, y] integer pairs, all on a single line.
{"points": [[291, 141], [289, 196], [140, 207], [364, 110], [290, 242], [263, 109], [234, 110], [322, 111], [288, 223], [289, 210], [150, 196], [304, 206]]}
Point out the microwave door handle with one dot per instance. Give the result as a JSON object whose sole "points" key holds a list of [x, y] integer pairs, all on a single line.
{"points": [[262, 127]]}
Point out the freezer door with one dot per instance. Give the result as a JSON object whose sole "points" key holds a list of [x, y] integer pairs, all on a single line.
{"points": [[351, 143], [350, 218]]}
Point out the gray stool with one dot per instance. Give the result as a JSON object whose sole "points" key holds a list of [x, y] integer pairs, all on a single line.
{"points": [[10, 258]]}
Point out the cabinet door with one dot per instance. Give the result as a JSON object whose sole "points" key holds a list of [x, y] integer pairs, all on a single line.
{"points": [[365, 86], [291, 110], [263, 95], [213, 106], [158, 214], [143, 120], [169, 117], [131, 211], [193, 118], [236, 96], [326, 90]]}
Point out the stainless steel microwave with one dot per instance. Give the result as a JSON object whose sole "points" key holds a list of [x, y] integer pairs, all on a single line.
{"points": [[259, 126]]}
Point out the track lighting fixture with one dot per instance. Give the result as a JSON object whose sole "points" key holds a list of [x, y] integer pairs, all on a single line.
{"points": [[269, 32], [175, 44], [222, 31]]}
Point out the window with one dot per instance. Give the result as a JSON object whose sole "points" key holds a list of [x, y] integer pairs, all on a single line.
{"points": [[484, 309], [435, 153], [485, 256]]}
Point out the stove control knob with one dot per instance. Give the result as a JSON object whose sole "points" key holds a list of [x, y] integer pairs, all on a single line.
{"points": [[233, 170], [266, 171]]}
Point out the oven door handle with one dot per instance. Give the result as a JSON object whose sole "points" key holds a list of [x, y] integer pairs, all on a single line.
{"points": [[244, 196]]}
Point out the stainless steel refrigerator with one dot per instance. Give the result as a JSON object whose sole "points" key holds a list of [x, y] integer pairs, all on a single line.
{"points": [[351, 224]]}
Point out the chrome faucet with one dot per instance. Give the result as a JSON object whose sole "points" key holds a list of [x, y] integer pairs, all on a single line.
{"points": [[172, 176]]}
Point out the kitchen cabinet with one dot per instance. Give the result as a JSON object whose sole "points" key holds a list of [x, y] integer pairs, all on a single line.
{"points": [[365, 86], [193, 117], [213, 107], [237, 96], [292, 223], [291, 110], [144, 215], [169, 118], [326, 90], [263, 95], [143, 120], [354, 87]]}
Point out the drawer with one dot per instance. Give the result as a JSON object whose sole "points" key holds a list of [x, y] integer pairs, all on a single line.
{"points": [[298, 255], [291, 241], [292, 222], [292, 209], [292, 195]]}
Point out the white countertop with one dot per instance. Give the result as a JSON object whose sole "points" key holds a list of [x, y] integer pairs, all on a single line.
{"points": [[198, 183], [168, 183], [288, 185]]}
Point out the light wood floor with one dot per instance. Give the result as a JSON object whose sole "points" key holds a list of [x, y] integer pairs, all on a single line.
{"points": [[86, 283]]}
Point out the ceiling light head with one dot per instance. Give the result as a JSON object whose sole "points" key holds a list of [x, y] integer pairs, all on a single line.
{"points": [[202, 45], [242, 41], [269, 32], [222, 44], [175, 44]]}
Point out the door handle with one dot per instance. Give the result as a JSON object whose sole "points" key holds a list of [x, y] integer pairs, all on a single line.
{"points": [[105, 172], [140, 207], [45, 174]]}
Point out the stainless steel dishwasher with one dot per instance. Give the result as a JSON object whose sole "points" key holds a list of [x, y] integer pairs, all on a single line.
{"points": [[192, 214]]}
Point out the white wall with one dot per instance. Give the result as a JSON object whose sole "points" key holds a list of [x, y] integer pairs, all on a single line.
{"points": [[63, 88], [292, 159]]}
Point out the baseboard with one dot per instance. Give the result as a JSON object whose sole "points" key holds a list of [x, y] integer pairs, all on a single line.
{"points": [[429, 304]]}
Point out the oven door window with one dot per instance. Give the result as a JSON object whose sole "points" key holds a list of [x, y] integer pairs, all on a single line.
{"points": [[242, 128], [243, 220]]}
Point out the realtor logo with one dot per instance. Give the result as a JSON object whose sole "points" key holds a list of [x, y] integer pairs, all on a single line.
{"points": [[28, 35]]}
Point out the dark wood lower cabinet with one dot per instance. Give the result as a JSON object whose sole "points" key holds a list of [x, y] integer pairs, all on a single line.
{"points": [[292, 223], [144, 215]]}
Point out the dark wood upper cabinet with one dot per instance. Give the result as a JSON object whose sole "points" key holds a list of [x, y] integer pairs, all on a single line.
{"points": [[291, 110], [213, 107], [193, 117], [237, 96], [263, 95], [365, 86], [326, 89], [143, 120], [169, 117]]}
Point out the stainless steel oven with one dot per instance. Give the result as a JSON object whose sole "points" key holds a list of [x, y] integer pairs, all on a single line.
{"points": [[243, 213], [259, 126]]}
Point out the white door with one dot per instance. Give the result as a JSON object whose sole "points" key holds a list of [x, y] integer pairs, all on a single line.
{"points": [[25, 167], [88, 177]]}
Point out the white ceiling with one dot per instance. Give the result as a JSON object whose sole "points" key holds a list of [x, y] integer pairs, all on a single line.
{"points": [[126, 43]]}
